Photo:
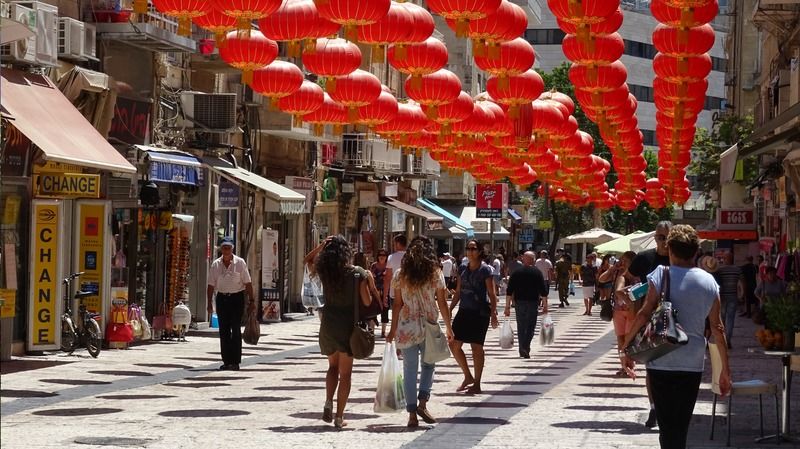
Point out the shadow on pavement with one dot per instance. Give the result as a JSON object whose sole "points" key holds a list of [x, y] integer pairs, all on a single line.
{"points": [[347, 416], [306, 429], [26, 394], [15, 366], [603, 408], [122, 373], [474, 420], [255, 399], [75, 382], [487, 404], [82, 411], [611, 395], [620, 427], [290, 388], [202, 413], [136, 396], [162, 365], [197, 384]]}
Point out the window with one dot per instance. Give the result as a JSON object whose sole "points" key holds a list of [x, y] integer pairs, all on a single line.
{"points": [[639, 49], [544, 36], [649, 137], [642, 93]]}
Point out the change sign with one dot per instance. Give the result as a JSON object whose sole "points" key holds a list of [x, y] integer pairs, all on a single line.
{"points": [[45, 281]]}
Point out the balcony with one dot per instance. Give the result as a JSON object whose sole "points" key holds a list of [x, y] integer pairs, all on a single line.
{"points": [[777, 17], [279, 124], [152, 31], [365, 155]]}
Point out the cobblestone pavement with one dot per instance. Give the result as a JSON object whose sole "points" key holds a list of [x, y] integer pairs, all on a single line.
{"points": [[171, 395]]}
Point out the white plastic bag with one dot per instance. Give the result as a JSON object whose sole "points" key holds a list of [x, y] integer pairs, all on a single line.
{"points": [[506, 335], [311, 291], [389, 396], [147, 333], [547, 333]]}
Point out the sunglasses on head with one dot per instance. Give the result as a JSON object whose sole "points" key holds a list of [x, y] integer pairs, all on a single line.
{"points": [[661, 238]]}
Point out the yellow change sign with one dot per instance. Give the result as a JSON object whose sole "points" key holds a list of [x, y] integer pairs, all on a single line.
{"points": [[44, 277], [67, 185]]}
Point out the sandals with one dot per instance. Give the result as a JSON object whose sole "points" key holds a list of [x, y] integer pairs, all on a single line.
{"points": [[621, 373], [425, 415], [474, 389], [465, 385], [339, 422], [327, 411]]}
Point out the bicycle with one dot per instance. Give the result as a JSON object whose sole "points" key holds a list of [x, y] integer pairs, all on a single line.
{"points": [[86, 332]]}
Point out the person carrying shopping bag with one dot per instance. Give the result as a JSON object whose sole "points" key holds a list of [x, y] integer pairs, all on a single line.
{"points": [[419, 288]]}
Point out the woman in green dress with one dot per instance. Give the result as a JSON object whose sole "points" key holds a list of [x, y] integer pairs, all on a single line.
{"points": [[343, 284]]}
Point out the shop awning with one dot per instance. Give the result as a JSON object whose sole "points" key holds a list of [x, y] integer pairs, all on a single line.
{"points": [[514, 215], [433, 221], [458, 228], [283, 199], [171, 166], [481, 225], [43, 114], [727, 163]]}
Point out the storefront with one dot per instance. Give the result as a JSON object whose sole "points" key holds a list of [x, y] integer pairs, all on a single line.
{"points": [[452, 237], [56, 211]]}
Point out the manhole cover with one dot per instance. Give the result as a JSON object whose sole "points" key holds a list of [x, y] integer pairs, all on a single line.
{"points": [[113, 441]]}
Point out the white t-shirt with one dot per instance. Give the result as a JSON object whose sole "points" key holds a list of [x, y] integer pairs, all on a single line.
{"points": [[394, 263], [497, 267], [544, 265], [447, 267]]}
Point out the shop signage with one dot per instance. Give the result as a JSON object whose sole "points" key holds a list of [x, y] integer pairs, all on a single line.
{"points": [[480, 225], [269, 259], [131, 122], [11, 209], [303, 186], [545, 224], [15, 152], [398, 221], [66, 185], [228, 194], [91, 252], [526, 234], [8, 303], [491, 200], [368, 198], [45, 293], [736, 219]]}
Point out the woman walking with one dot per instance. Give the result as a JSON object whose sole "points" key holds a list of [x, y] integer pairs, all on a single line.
{"points": [[475, 295], [675, 377], [623, 307], [588, 281], [378, 270], [344, 286], [605, 287], [420, 294]]}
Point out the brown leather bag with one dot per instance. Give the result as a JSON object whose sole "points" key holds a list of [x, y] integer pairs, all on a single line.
{"points": [[362, 340]]}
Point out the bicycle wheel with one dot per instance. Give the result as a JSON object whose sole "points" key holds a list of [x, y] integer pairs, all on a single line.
{"points": [[69, 338], [93, 339]]}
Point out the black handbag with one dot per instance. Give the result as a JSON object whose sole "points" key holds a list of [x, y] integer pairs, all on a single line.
{"points": [[662, 334], [371, 311], [362, 340], [607, 310]]}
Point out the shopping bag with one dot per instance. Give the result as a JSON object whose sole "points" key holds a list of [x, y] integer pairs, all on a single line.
{"points": [[506, 335], [252, 330], [547, 333], [147, 333], [311, 292], [389, 396]]}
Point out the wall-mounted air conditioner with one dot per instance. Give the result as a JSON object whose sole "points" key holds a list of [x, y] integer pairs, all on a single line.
{"points": [[211, 112], [89, 41], [46, 32], [70, 39], [24, 50]]}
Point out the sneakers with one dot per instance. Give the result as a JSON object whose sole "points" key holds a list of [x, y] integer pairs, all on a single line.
{"points": [[651, 419]]}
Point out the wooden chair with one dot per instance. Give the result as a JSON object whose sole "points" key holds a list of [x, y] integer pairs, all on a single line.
{"points": [[742, 388]]}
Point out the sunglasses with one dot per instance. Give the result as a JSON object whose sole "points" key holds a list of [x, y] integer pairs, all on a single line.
{"points": [[661, 238], [472, 248]]}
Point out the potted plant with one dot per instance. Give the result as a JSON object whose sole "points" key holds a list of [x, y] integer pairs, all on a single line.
{"points": [[783, 314]]}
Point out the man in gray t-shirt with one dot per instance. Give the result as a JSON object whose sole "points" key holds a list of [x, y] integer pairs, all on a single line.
{"points": [[731, 288]]}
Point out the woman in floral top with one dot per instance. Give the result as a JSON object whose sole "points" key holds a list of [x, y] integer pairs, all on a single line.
{"points": [[419, 288]]}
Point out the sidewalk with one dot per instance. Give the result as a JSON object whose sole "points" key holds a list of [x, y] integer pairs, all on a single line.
{"points": [[170, 395]]}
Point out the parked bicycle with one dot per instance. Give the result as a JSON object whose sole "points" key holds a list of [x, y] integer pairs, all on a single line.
{"points": [[86, 332]]}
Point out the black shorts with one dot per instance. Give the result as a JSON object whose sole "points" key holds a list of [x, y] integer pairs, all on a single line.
{"points": [[450, 282], [470, 326]]}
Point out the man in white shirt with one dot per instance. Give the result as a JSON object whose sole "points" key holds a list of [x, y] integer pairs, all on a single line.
{"points": [[447, 269], [229, 278], [392, 265], [546, 267]]}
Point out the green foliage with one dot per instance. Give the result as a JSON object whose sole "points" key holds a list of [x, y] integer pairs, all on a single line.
{"points": [[783, 313], [709, 145]]}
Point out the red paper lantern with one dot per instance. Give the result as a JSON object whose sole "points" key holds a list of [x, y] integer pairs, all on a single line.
{"points": [[680, 91], [561, 98], [682, 69], [422, 26], [679, 17], [332, 58], [379, 111], [394, 27], [217, 22], [520, 89], [357, 89], [184, 11], [598, 50], [463, 11], [248, 52], [277, 80], [245, 11], [418, 59], [409, 120], [308, 98], [598, 79], [545, 118], [455, 111], [353, 13], [688, 42], [438, 88], [330, 113], [514, 58], [476, 123], [509, 21], [296, 21], [609, 24]]}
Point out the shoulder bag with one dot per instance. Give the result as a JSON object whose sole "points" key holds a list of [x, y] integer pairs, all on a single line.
{"points": [[436, 347], [362, 341], [662, 334], [607, 310], [374, 308]]}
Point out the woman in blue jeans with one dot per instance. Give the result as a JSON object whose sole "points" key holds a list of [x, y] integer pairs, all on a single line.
{"points": [[419, 288], [675, 377]]}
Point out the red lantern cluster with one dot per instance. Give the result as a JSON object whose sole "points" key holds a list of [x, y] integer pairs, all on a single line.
{"points": [[683, 39], [297, 21]]}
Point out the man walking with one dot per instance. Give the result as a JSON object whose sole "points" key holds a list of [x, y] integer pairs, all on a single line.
{"points": [[230, 279], [526, 289], [731, 288], [749, 276], [546, 267], [563, 276], [400, 243]]}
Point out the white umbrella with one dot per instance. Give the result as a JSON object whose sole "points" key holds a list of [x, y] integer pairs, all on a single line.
{"points": [[618, 246], [643, 242], [594, 236]]}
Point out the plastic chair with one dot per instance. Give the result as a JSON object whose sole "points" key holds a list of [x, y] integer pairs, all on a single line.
{"points": [[743, 388]]}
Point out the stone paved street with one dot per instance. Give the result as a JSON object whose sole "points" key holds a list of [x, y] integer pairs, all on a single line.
{"points": [[171, 395]]}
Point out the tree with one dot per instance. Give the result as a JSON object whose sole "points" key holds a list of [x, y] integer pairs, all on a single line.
{"points": [[568, 219], [709, 145]]}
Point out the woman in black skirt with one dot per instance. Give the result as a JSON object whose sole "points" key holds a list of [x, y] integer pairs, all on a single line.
{"points": [[475, 295]]}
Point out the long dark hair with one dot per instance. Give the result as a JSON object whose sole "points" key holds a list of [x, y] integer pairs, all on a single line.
{"points": [[332, 262], [420, 263]]}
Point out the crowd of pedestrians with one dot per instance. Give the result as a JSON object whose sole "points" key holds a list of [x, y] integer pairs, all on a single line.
{"points": [[416, 286]]}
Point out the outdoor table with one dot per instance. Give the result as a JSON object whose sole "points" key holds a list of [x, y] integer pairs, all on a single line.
{"points": [[786, 358]]}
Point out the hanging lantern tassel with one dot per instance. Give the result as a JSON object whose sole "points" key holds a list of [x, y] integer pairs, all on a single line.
{"points": [[431, 112], [337, 129], [591, 72], [683, 35], [503, 83], [184, 27], [318, 129], [243, 24], [298, 120], [445, 131], [351, 33], [462, 27], [219, 38], [478, 47], [352, 113], [293, 49], [311, 46], [140, 6], [272, 104], [513, 111], [378, 54], [330, 85], [687, 17], [247, 76], [494, 50], [683, 65]]}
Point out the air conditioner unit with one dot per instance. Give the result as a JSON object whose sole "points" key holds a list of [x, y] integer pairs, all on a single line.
{"points": [[89, 41], [23, 50], [70, 38], [5, 10], [46, 32], [212, 112]]}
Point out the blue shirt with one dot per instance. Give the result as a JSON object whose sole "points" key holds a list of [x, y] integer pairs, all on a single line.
{"points": [[692, 292]]}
